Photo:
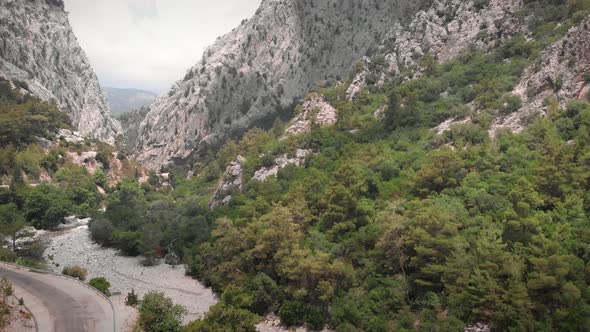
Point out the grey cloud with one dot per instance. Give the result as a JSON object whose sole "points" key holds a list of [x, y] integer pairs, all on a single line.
{"points": [[149, 44], [143, 9]]}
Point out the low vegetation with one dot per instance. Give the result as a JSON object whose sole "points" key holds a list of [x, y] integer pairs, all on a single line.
{"points": [[157, 313], [75, 271], [101, 284]]}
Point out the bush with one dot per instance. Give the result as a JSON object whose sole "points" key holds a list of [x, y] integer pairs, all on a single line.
{"points": [[104, 155], [157, 313], [7, 255], [314, 318], [46, 206], [101, 284], [132, 299], [292, 313], [510, 104], [224, 318], [35, 264], [75, 271], [101, 231]]}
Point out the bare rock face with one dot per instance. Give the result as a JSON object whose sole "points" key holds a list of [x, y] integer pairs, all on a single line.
{"points": [[261, 68], [38, 47], [231, 182], [478, 327], [563, 72], [280, 163], [315, 110], [444, 29]]}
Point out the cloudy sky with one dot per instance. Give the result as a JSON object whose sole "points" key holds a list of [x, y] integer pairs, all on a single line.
{"points": [[149, 44]]}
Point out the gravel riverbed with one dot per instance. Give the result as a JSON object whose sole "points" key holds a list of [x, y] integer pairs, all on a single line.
{"points": [[74, 247]]}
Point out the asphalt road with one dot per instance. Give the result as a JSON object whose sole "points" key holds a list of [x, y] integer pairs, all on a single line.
{"points": [[63, 305]]}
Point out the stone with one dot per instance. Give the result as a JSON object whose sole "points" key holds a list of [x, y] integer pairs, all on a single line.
{"points": [[315, 110], [280, 163], [231, 181]]}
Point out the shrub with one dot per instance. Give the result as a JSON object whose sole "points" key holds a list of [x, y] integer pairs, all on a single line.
{"points": [[101, 284], [292, 313], [132, 299], [314, 318], [7, 255], [510, 103], [157, 313], [75, 272], [101, 230], [224, 318]]}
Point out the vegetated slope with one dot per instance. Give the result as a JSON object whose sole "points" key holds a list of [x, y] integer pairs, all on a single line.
{"points": [[385, 223], [47, 171], [126, 100], [260, 69], [38, 48]]}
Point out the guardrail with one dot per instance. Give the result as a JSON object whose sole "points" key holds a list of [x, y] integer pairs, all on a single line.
{"points": [[76, 280]]}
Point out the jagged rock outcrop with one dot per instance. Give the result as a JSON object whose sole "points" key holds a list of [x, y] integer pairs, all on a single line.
{"points": [[443, 30], [315, 110], [231, 182], [563, 72], [38, 47], [447, 27], [280, 163], [250, 75]]}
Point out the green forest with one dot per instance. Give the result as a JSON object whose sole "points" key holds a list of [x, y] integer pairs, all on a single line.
{"points": [[389, 226]]}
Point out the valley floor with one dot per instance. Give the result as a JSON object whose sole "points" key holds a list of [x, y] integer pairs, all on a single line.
{"points": [[74, 247]]}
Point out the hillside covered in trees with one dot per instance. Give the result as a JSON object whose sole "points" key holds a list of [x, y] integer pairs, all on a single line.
{"points": [[403, 206], [47, 172], [391, 225]]}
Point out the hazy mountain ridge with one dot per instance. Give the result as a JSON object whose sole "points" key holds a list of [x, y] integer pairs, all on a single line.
{"points": [[38, 47], [126, 100]]}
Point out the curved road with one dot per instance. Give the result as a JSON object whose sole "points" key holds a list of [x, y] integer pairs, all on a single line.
{"points": [[60, 304]]}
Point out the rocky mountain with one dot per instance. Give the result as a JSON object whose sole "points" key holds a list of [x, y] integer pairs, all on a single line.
{"points": [[130, 122], [125, 100], [39, 50], [261, 68]]}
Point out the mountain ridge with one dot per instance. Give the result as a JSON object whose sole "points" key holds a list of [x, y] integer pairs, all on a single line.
{"points": [[39, 48], [123, 100], [261, 69]]}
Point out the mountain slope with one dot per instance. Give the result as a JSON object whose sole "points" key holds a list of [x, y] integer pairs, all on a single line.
{"points": [[38, 47], [259, 69], [125, 100], [358, 216]]}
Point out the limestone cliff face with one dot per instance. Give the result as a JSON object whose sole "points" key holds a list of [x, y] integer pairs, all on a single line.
{"points": [[260, 68], [443, 30], [562, 72], [38, 47]]}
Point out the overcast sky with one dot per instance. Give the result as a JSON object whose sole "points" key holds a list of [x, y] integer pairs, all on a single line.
{"points": [[149, 44]]}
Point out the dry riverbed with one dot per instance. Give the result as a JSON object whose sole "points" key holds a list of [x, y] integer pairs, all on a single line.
{"points": [[74, 247]]}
